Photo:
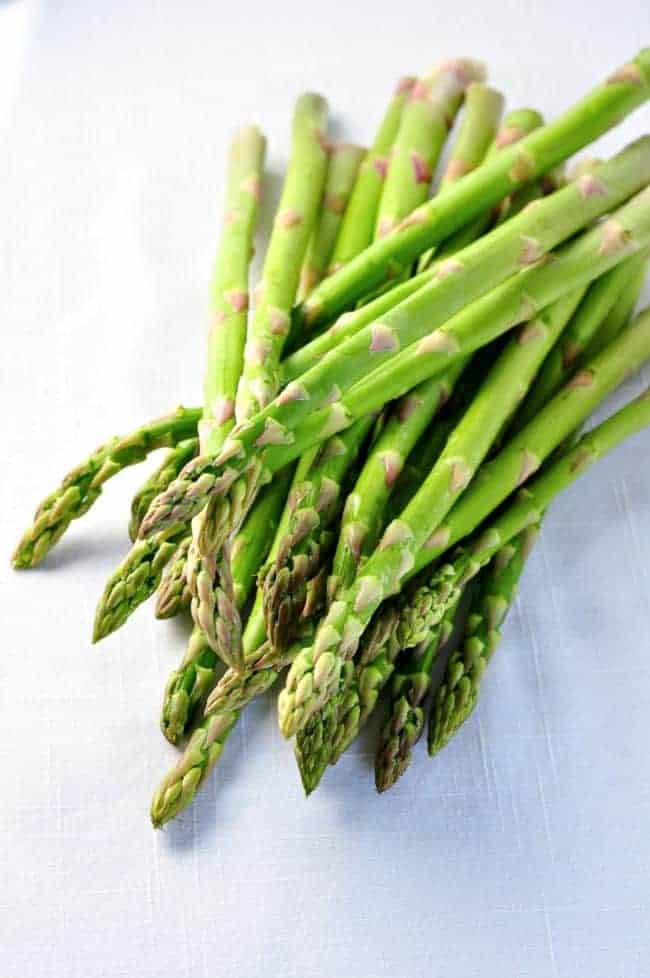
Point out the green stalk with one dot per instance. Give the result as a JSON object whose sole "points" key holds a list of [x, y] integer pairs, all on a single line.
{"points": [[432, 339], [83, 485], [364, 514], [405, 718], [426, 119], [526, 451], [434, 221], [207, 741], [477, 134], [136, 579], [313, 747], [229, 287], [495, 402], [194, 677], [515, 127], [172, 464], [526, 509], [620, 313], [294, 583], [293, 226], [356, 230], [457, 695], [173, 594], [344, 162], [210, 579], [566, 357], [381, 643]]}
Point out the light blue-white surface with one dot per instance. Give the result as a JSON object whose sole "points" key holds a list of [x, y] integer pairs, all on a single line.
{"points": [[523, 851]]}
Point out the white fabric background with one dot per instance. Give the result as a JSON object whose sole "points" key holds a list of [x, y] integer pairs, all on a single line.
{"points": [[523, 850]]}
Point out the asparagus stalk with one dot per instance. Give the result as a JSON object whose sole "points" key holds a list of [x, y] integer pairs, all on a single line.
{"points": [[520, 458], [158, 481], [229, 287], [293, 584], [363, 516], [356, 230], [426, 119], [271, 437], [194, 677], [600, 110], [457, 695], [207, 741], [525, 510], [83, 485], [515, 126], [482, 111], [405, 720], [209, 576], [337, 639], [344, 162], [564, 358], [136, 579], [313, 747], [620, 313], [381, 643], [478, 127], [526, 451], [292, 229], [173, 593]]}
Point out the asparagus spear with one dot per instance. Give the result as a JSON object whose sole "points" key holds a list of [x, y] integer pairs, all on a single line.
{"points": [[526, 451], [196, 674], [271, 436], [292, 228], [363, 516], [83, 485], [229, 287], [168, 470], [478, 127], [209, 577], [136, 579], [405, 547], [515, 126], [173, 593], [209, 573], [313, 747], [344, 162], [564, 358], [482, 111], [405, 720], [620, 314], [457, 695], [356, 230], [208, 739], [467, 446], [194, 677], [427, 116], [293, 584], [526, 509], [603, 108]]}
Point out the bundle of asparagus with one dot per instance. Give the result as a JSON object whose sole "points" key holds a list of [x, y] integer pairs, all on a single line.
{"points": [[381, 437]]}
